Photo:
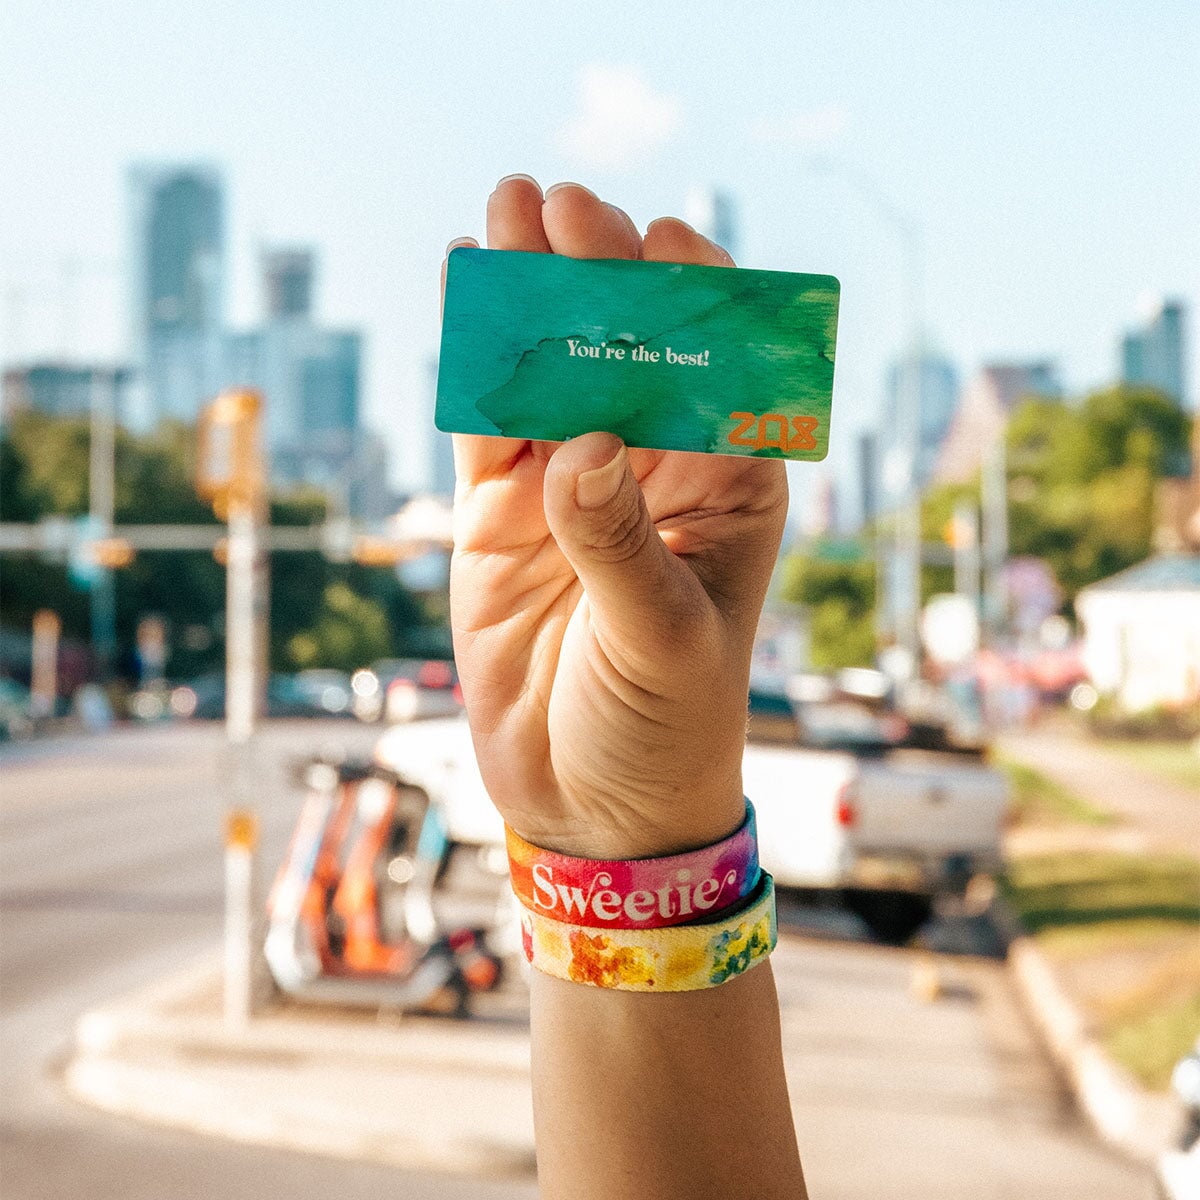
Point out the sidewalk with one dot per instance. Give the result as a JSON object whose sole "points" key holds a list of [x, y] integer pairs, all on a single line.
{"points": [[1066, 994], [1155, 814], [427, 1093], [944, 1095]]}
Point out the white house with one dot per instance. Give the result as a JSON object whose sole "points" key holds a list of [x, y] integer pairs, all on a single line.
{"points": [[1142, 633]]}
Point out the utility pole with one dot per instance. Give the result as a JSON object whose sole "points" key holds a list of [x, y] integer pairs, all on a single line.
{"points": [[101, 490], [965, 527], [994, 497], [903, 581], [232, 474]]}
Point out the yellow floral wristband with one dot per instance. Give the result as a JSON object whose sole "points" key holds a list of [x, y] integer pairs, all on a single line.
{"points": [[678, 958]]}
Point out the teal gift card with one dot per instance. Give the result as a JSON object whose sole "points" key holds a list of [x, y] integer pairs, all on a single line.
{"points": [[667, 356]]}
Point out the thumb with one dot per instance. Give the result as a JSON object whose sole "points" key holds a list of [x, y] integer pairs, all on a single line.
{"points": [[638, 590]]}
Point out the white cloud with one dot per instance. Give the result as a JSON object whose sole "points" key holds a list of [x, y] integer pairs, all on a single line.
{"points": [[621, 120], [812, 127]]}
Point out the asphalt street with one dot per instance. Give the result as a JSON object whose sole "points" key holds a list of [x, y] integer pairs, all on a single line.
{"points": [[110, 876]]}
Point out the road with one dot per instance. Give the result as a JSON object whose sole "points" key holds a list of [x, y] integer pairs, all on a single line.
{"points": [[110, 876]]}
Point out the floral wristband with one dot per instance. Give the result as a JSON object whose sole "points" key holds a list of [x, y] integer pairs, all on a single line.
{"points": [[640, 893], [682, 958]]}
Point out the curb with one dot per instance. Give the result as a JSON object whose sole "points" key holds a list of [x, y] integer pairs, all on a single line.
{"points": [[420, 1093], [1138, 1123]]}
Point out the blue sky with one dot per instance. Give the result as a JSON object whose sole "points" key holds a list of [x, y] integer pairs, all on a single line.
{"points": [[1048, 152]]}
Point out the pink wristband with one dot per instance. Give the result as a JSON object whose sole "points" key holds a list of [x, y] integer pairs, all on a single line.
{"points": [[640, 893]]}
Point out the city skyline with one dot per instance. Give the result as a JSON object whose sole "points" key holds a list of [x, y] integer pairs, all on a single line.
{"points": [[991, 143]]}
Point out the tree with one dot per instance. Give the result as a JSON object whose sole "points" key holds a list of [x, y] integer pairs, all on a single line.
{"points": [[349, 631], [44, 471], [1082, 481], [840, 596]]}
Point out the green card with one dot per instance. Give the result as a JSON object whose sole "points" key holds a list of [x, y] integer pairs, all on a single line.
{"points": [[668, 356]]}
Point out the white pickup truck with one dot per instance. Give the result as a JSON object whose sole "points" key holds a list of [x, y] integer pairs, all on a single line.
{"points": [[885, 830]]}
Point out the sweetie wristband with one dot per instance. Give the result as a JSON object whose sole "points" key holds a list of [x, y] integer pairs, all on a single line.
{"points": [[676, 958], [644, 893], [681, 922]]}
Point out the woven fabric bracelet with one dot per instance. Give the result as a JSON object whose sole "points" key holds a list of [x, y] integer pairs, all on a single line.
{"points": [[639, 893], [682, 958]]}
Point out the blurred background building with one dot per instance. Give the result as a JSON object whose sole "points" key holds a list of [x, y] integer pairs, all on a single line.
{"points": [[934, 379], [1154, 353], [988, 399], [60, 389], [184, 351], [713, 212], [176, 287]]}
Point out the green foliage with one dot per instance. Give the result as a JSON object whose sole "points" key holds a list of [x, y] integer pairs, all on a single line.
{"points": [[349, 631], [1082, 481], [1087, 888], [1037, 799], [840, 597], [44, 471]]}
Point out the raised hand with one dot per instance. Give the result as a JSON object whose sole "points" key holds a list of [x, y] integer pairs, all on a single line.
{"points": [[604, 601]]}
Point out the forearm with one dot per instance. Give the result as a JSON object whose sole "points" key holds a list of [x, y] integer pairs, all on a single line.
{"points": [[652, 1097]]}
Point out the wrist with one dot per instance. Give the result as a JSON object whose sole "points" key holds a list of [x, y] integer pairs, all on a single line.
{"points": [[708, 818]]}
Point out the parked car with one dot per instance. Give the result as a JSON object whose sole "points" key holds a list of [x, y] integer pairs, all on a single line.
{"points": [[287, 696], [395, 690], [16, 710], [843, 807], [326, 691]]}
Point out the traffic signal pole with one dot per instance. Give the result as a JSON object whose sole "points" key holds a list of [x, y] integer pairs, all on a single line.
{"points": [[232, 475], [101, 505]]}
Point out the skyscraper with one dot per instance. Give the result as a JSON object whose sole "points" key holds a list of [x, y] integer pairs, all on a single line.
{"points": [[935, 381], [287, 274], [177, 285], [713, 212], [1154, 354], [441, 460], [988, 400]]}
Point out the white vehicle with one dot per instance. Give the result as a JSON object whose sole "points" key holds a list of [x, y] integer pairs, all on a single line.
{"points": [[885, 830]]}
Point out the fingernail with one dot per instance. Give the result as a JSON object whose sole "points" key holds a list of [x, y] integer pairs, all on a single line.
{"points": [[518, 175], [595, 488], [463, 241], [676, 220], [554, 187]]}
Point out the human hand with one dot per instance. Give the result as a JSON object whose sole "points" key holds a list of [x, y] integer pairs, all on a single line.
{"points": [[604, 601]]}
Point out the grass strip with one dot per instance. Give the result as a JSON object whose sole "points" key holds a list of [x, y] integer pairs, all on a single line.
{"points": [[1038, 799], [1151, 1042], [1175, 761], [1097, 906], [1049, 891]]}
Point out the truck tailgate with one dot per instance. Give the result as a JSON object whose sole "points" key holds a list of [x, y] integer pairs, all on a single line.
{"points": [[929, 807]]}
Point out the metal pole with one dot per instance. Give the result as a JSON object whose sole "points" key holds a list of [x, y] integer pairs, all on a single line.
{"points": [[903, 594], [966, 552], [47, 625], [245, 675], [101, 489], [994, 496]]}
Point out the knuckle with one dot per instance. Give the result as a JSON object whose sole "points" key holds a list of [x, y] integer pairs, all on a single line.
{"points": [[622, 534]]}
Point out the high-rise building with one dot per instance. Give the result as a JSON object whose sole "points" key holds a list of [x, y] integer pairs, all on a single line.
{"points": [[868, 476], [932, 381], [713, 212], [287, 274], [177, 285], [1154, 353], [441, 456], [310, 377], [62, 389], [988, 400]]}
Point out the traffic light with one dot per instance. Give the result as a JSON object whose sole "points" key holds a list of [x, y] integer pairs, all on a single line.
{"points": [[112, 553], [229, 466], [378, 552]]}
